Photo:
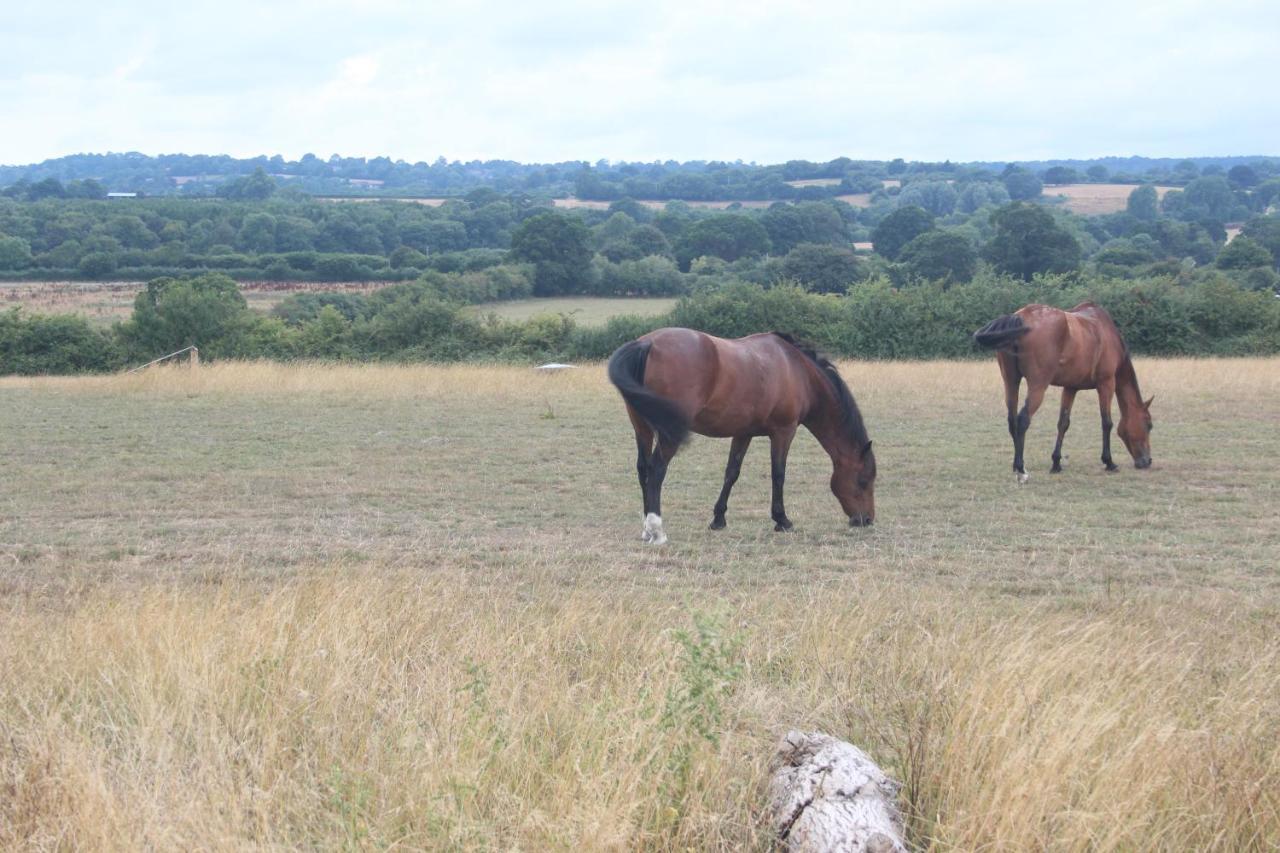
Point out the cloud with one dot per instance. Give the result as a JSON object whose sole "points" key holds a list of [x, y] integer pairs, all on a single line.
{"points": [[684, 80]]}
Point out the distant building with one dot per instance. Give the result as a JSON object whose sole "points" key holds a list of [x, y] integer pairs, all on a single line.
{"points": [[122, 195]]}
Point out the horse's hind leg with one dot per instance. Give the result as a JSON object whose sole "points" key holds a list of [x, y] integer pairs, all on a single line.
{"points": [[1012, 379], [1035, 396], [658, 462], [779, 445], [736, 453], [1064, 421], [644, 449]]}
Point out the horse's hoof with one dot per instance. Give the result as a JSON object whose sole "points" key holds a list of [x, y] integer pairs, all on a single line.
{"points": [[782, 527], [660, 539], [1112, 468], [1056, 469], [1023, 477], [717, 524]]}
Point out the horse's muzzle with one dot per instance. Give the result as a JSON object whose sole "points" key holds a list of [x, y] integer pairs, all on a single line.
{"points": [[1144, 462], [860, 520]]}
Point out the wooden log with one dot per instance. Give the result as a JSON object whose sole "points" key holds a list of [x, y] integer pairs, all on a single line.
{"points": [[827, 795]]}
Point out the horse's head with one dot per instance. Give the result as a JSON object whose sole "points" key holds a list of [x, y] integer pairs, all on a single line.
{"points": [[853, 481], [1135, 431]]}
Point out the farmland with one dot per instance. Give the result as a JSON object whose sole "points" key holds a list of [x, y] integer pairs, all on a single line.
{"points": [[1095, 199], [307, 606], [585, 310], [107, 301]]}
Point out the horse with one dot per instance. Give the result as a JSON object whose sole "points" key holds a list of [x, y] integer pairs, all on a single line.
{"points": [[675, 381], [1075, 350]]}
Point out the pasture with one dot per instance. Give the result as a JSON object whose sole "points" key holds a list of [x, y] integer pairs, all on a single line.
{"points": [[265, 605]]}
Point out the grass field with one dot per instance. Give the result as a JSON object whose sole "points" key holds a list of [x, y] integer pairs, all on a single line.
{"points": [[585, 310], [257, 605], [107, 301], [1096, 199]]}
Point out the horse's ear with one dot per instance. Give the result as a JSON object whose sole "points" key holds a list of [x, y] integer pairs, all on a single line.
{"points": [[1147, 405]]}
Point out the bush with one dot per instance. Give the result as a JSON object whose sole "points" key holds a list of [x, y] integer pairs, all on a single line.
{"points": [[56, 344]]}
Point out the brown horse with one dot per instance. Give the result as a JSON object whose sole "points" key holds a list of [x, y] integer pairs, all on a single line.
{"points": [[677, 380], [1076, 350]]}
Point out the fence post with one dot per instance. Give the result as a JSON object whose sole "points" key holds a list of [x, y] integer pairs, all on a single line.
{"points": [[195, 357]]}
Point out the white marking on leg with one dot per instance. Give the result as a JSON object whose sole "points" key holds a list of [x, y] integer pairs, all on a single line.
{"points": [[1023, 477], [653, 529], [645, 535]]}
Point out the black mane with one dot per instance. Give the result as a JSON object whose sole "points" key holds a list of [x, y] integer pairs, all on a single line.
{"points": [[851, 417]]}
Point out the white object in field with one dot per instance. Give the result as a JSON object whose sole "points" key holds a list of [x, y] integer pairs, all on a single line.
{"points": [[827, 795], [553, 366]]}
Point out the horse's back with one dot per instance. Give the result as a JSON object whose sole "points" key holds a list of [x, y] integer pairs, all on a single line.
{"points": [[726, 386]]}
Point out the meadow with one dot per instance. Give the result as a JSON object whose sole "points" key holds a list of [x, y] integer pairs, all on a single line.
{"points": [[270, 605]]}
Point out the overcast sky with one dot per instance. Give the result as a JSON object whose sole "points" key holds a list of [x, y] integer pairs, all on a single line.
{"points": [[654, 80]]}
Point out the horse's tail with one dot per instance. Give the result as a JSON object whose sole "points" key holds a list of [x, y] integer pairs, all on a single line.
{"points": [[1001, 332], [626, 372]]}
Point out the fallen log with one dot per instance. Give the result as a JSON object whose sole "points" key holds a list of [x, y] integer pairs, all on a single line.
{"points": [[827, 795]]}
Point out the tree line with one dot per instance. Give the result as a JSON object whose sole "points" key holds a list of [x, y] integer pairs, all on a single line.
{"points": [[922, 230], [202, 175]]}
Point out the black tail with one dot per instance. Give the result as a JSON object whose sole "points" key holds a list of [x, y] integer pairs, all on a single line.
{"points": [[1001, 332], [626, 372]]}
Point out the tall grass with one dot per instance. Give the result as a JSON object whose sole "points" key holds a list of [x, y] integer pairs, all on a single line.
{"points": [[382, 709]]}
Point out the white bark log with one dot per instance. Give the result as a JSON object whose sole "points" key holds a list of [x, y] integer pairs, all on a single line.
{"points": [[828, 795]]}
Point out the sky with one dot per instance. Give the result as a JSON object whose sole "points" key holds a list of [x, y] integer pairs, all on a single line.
{"points": [[553, 80]]}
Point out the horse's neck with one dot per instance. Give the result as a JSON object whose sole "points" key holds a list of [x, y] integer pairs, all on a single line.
{"points": [[1128, 395], [826, 420]]}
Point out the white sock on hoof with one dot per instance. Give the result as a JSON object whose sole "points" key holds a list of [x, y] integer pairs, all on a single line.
{"points": [[653, 529], [1023, 476], [645, 535]]}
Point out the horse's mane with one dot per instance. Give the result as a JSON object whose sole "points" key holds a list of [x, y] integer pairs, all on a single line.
{"points": [[851, 418]]}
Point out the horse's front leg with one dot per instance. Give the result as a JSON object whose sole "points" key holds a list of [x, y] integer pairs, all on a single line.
{"points": [[736, 453], [779, 445]]}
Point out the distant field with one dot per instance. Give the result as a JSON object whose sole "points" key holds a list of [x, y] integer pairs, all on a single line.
{"points": [[105, 302], [585, 310], [266, 606], [1096, 199]]}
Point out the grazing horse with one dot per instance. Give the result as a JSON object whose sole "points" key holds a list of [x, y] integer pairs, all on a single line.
{"points": [[1076, 350], [677, 380]]}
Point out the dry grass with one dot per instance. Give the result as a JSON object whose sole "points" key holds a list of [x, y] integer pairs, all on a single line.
{"points": [[106, 301], [585, 310], [1096, 199], [263, 605]]}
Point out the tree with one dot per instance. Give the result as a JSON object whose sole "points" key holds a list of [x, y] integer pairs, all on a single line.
{"points": [[1265, 231], [1021, 184], [559, 247], [822, 268], [1242, 253], [728, 236], [1098, 174], [1060, 175], [1028, 242], [900, 228], [15, 253], [940, 256], [980, 194], [1243, 176], [257, 186], [937, 197], [1143, 203], [1208, 197], [207, 311]]}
